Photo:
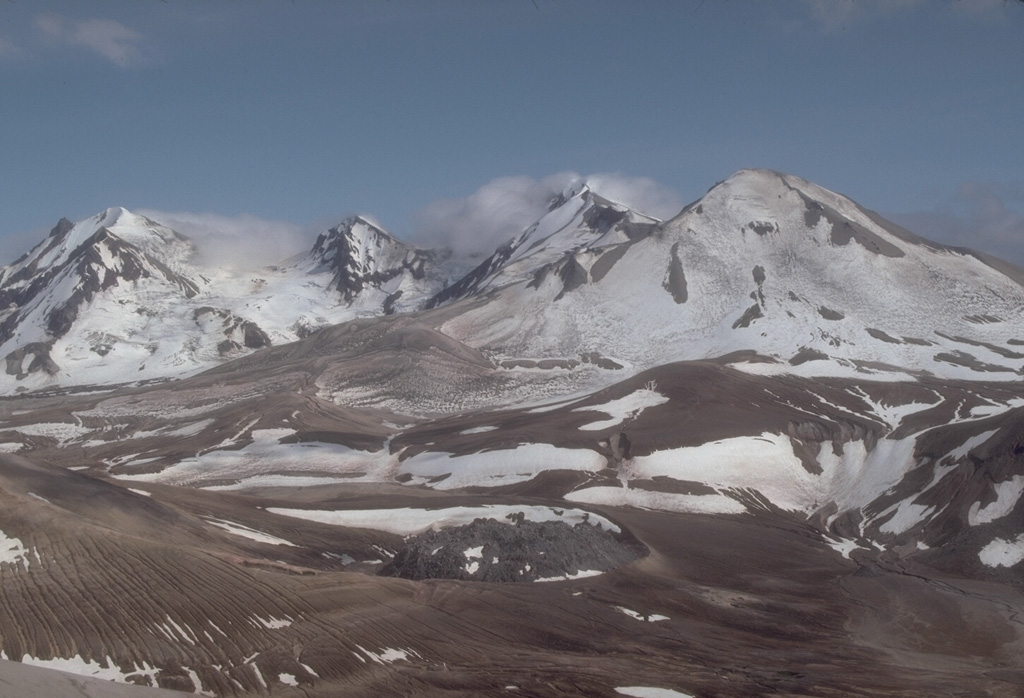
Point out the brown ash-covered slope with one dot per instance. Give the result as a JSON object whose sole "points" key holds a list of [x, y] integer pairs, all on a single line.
{"points": [[824, 494]]}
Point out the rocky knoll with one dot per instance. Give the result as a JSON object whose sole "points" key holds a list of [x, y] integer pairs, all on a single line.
{"points": [[490, 551]]}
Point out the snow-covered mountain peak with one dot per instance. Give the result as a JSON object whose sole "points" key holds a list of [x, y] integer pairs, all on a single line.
{"points": [[765, 263], [355, 235], [579, 219], [367, 261]]}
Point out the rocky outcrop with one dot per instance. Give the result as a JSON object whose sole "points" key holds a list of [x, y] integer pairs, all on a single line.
{"points": [[526, 551]]}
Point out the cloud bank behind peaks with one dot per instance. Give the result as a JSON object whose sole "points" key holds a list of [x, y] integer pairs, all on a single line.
{"points": [[242, 242], [474, 226], [982, 216]]}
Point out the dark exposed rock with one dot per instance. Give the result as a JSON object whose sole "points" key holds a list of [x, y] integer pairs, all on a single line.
{"points": [[616, 448], [879, 334], [675, 281], [807, 354], [983, 319], [239, 332], [572, 274], [254, 336], [749, 315], [41, 360], [763, 228], [844, 230], [595, 358], [917, 341], [524, 551], [606, 261], [987, 345], [664, 483], [962, 358], [829, 314], [603, 218], [389, 302]]}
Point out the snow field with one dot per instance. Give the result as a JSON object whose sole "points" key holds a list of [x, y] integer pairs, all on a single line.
{"points": [[1003, 553], [578, 575], [650, 692], [661, 501], [410, 522], [623, 408], [1008, 493], [388, 655], [13, 551], [650, 618], [82, 667], [266, 462], [493, 468], [250, 533]]}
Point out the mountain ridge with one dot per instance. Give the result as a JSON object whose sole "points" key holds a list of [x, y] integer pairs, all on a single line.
{"points": [[762, 260]]}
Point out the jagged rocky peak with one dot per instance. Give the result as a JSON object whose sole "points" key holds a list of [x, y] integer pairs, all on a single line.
{"points": [[578, 219], [361, 254]]}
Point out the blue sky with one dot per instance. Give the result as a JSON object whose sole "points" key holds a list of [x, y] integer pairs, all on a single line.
{"points": [[269, 120]]}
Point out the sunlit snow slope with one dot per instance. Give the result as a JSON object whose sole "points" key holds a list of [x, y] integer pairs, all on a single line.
{"points": [[771, 264]]}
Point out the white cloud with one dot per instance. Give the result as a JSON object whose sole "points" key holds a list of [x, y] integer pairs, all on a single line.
{"points": [[241, 242], [831, 15], [642, 194], [112, 40], [476, 225], [984, 217], [8, 48]]}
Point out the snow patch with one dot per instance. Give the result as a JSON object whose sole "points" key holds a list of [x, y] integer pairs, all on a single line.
{"points": [[493, 468], [12, 550], [409, 522], [578, 575], [843, 546], [661, 501], [970, 444], [83, 667], [59, 431], [250, 533], [650, 617], [1003, 553], [623, 408], [650, 692], [477, 430], [1008, 492], [389, 655], [765, 463], [273, 623]]}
